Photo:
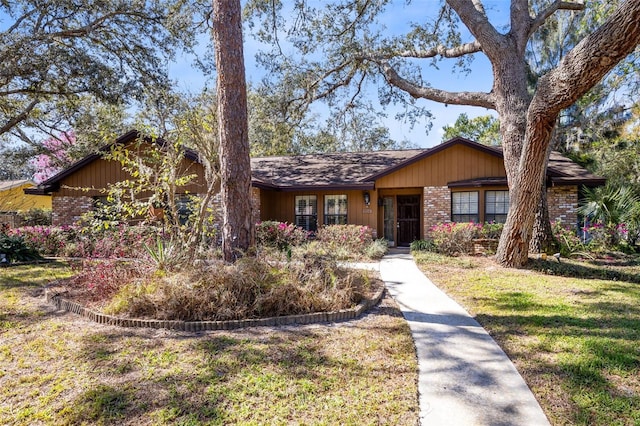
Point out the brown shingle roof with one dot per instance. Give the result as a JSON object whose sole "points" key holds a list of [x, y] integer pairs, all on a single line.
{"points": [[344, 169], [353, 170]]}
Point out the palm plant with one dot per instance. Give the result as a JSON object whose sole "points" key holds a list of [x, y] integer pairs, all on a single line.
{"points": [[609, 205]]}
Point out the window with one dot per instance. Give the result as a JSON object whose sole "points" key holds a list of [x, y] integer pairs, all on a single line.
{"points": [[496, 206], [464, 206], [184, 207], [335, 209], [307, 212]]}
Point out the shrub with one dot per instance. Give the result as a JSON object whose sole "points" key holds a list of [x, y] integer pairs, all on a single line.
{"points": [[281, 235], [47, 240], [35, 217], [491, 230], [14, 249], [376, 249], [455, 238], [99, 280], [345, 241], [570, 242], [423, 245]]}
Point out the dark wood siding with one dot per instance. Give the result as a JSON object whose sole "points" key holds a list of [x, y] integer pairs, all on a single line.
{"points": [[96, 177], [457, 163], [275, 205]]}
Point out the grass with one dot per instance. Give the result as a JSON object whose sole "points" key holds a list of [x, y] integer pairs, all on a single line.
{"points": [[57, 368], [572, 329]]}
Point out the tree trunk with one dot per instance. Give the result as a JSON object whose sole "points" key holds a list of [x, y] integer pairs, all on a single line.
{"points": [[542, 240], [235, 167], [578, 71]]}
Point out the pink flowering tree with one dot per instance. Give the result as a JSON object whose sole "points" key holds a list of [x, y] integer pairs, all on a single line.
{"points": [[55, 157]]}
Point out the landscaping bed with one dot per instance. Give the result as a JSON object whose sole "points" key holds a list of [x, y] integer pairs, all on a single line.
{"points": [[58, 368]]}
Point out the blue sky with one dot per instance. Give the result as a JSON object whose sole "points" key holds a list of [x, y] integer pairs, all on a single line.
{"points": [[396, 21]]}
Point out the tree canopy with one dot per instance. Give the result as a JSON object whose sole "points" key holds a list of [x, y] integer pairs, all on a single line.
{"points": [[55, 53], [484, 129]]}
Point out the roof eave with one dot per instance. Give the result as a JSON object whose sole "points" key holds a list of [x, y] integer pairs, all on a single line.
{"points": [[363, 186]]}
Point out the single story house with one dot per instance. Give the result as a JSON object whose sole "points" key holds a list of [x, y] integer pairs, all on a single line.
{"points": [[401, 194]]}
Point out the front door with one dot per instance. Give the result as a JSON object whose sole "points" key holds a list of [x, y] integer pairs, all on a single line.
{"points": [[408, 219]]}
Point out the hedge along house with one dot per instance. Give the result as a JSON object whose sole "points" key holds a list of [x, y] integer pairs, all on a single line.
{"points": [[400, 194]]}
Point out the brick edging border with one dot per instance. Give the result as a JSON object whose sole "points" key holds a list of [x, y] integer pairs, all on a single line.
{"points": [[313, 318]]}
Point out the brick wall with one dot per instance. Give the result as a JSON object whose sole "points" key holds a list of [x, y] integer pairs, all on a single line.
{"points": [[563, 202], [68, 210], [437, 206]]}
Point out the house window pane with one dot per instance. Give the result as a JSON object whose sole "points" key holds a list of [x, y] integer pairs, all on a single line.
{"points": [[464, 206], [184, 207], [306, 212], [335, 209], [496, 206]]}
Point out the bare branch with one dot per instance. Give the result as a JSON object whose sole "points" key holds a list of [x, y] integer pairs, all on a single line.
{"points": [[19, 118], [553, 8], [479, 99], [472, 15], [451, 52]]}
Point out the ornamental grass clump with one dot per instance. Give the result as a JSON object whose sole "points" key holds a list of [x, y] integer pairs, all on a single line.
{"points": [[250, 288]]}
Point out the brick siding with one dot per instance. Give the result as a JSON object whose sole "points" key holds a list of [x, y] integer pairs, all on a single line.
{"points": [[563, 202], [68, 210], [437, 206]]}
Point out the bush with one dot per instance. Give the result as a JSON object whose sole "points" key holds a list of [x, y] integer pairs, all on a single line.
{"points": [[99, 280], [345, 241], [454, 239], [280, 235], [35, 217], [15, 249], [47, 240], [569, 241], [376, 249], [122, 241], [491, 230]]}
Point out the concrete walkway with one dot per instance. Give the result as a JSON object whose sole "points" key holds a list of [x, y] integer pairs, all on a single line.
{"points": [[464, 378]]}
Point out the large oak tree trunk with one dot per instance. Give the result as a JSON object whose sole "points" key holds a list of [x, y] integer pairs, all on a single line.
{"points": [[578, 71], [238, 230]]}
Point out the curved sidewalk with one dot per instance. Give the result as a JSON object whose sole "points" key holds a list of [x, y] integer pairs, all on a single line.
{"points": [[465, 378]]}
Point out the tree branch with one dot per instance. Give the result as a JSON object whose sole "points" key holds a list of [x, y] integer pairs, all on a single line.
{"points": [[589, 61], [553, 8], [475, 19], [479, 99], [451, 52], [18, 118]]}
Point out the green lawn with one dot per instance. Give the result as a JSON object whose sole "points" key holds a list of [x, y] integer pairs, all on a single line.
{"points": [[571, 328], [57, 368]]}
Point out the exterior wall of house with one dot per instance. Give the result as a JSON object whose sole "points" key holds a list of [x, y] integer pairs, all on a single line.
{"points": [[456, 163], [67, 210], [280, 206], [15, 200], [95, 178], [563, 203], [437, 206]]}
